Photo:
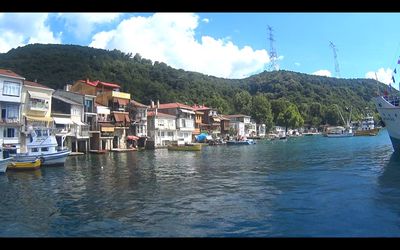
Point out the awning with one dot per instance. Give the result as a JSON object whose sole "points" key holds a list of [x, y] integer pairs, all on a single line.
{"points": [[107, 129], [103, 110], [121, 101], [38, 95], [39, 118], [127, 118], [119, 117], [188, 111], [132, 137], [61, 120], [79, 123]]}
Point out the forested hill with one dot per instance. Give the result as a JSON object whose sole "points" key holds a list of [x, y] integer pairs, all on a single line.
{"points": [[57, 65]]}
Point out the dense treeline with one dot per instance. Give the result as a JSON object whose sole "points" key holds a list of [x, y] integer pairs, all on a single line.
{"points": [[280, 97]]}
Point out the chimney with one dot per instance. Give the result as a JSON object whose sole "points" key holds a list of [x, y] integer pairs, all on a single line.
{"points": [[152, 104], [158, 104], [67, 87]]}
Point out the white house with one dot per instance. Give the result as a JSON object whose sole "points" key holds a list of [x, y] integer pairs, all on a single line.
{"points": [[161, 129], [10, 105]]}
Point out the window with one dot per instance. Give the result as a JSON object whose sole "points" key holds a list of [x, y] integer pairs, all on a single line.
{"points": [[89, 105], [11, 88], [35, 150], [185, 135], [45, 133], [162, 134], [170, 133], [45, 149], [38, 132], [9, 132], [12, 111]]}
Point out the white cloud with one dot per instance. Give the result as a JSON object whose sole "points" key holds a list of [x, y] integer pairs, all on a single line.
{"points": [[323, 72], [83, 24], [384, 76], [20, 29], [206, 20], [297, 64], [170, 38]]}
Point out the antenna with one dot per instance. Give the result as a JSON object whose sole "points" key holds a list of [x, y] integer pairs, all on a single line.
{"points": [[272, 52], [335, 58]]}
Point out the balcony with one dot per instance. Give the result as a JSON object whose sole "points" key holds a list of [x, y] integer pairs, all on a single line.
{"points": [[9, 121], [38, 106], [185, 124]]}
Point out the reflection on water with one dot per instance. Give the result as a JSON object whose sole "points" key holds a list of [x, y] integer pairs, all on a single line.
{"points": [[311, 186]]}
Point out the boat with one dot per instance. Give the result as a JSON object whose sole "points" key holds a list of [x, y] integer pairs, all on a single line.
{"points": [[186, 147], [43, 145], [241, 142], [389, 110], [367, 127], [28, 165], [339, 131], [4, 163]]}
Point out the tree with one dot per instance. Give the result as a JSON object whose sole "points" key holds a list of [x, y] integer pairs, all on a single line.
{"points": [[242, 102], [261, 111], [290, 118], [278, 106]]}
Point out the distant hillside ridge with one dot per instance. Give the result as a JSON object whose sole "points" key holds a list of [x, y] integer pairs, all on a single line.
{"points": [[57, 65]]}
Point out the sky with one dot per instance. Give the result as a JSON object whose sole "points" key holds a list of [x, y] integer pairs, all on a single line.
{"points": [[228, 45]]}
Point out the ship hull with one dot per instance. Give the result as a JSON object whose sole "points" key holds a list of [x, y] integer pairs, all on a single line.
{"points": [[390, 115]]}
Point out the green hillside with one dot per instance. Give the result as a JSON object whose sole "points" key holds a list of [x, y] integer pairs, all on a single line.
{"points": [[316, 98]]}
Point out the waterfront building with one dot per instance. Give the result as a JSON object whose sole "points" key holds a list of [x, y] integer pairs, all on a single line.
{"points": [[114, 125], [138, 127], [162, 129], [36, 110], [184, 115], [68, 113], [10, 104], [261, 130], [240, 123], [212, 123]]}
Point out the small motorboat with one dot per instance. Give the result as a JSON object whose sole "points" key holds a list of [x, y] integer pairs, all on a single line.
{"points": [[24, 165]]}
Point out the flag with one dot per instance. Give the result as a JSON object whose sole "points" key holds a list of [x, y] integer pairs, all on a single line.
{"points": [[393, 79], [395, 71], [398, 61]]}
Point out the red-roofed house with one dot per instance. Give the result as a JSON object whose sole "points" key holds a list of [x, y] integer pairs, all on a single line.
{"points": [[184, 119], [10, 103]]}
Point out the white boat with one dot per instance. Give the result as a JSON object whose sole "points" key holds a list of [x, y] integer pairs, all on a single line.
{"points": [[4, 163], [367, 127], [339, 131], [389, 110], [43, 145]]}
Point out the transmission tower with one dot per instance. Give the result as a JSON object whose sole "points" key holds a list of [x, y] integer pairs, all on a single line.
{"points": [[273, 65], [337, 71]]}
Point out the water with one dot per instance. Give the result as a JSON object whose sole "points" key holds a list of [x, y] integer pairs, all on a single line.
{"points": [[305, 187]]}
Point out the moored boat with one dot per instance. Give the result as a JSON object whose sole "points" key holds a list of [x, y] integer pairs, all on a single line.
{"points": [[389, 110], [243, 142], [43, 145], [24, 165], [186, 147], [339, 131], [367, 127], [4, 163]]}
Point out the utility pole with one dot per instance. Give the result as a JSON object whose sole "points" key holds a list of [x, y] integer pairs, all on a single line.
{"points": [[337, 71], [273, 65]]}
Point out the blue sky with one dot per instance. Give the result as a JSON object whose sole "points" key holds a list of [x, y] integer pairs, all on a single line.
{"points": [[230, 45]]}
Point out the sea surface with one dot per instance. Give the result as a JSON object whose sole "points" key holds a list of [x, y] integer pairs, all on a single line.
{"points": [[305, 187]]}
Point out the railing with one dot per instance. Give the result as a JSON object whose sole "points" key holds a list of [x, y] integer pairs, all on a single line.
{"points": [[10, 121]]}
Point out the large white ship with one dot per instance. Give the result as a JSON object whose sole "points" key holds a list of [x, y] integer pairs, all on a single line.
{"points": [[389, 110]]}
